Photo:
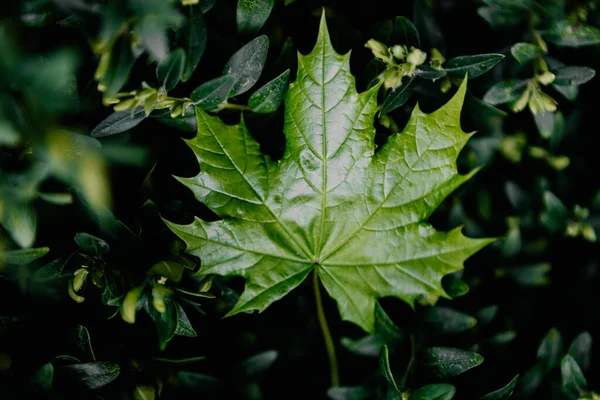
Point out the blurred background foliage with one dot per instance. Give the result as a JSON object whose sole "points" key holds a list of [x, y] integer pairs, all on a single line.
{"points": [[98, 299]]}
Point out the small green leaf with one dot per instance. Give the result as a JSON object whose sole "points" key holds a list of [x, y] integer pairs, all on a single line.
{"points": [[23, 256], [212, 93], [501, 17], [530, 381], [129, 306], [581, 349], [144, 392], [544, 123], [169, 71], [91, 244], [473, 65], [529, 274], [386, 370], [251, 15], [428, 72], [567, 76], [572, 377], [166, 322], [502, 393], [92, 375], [454, 286], [170, 269], [524, 52], [436, 391], [206, 5], [247, 64], [184, 326], [21, 223], [121, 62], [550, 349], [195, 40], [57, 198], [446, 361], [83, 344], [487, 314], [269, 97], [568, 92], [405, 33], [259, 363], [443, 320], [398, 96], [555, 214], [195, 381], [505, 91], [564, 34], [118, 122], [369, 345], [43, 378]]}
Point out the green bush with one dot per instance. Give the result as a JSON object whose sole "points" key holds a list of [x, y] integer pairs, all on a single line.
{"points": [[216, 199]]}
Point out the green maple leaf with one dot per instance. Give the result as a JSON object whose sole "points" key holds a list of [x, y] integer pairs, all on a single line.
{"points": [[331, 204]]}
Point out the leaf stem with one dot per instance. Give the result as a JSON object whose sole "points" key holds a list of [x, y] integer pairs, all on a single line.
{"points": [[333, 365], [233, 106]]}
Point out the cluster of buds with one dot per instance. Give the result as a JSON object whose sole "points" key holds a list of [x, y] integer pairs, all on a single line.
{"points": [[151, 99], [400, 60]]}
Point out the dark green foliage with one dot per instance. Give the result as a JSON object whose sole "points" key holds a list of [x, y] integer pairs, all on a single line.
{"points": [[100, 300]]}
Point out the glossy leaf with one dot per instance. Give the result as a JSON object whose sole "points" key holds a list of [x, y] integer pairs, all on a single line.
{"points": [[92, 376], [567, 76], [43, 378], [212, 93], [118, 122], [91, 244], [21, 223], [505, 91], [121, 62], [169, 269], [144, 392], [524, 52], [444, 362], [572, 377], [500, 17], [83, 344], [550, 349], [555, 214], [269, 97], [581, 349], [251, 15], [502, 393], [184, 326], [259, 363], [436, 391], [473, 65], [169, 71], [398, 96], [405, 33], [362, 229], [427, 72], [369, 345], [246, 65], [564, 34], [195, 39], [166, 322], [443, 320], [22, 256], [206, 5]]}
